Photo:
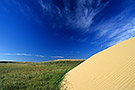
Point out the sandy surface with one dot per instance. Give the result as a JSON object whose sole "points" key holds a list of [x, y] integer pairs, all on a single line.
{"points": [[111, 69]]}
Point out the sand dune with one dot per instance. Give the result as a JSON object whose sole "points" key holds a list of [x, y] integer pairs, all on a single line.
{"points": [[111, 69]]}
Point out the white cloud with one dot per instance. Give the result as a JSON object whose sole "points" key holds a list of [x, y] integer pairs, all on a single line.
{"points": [[8, 60], [57, 57], [39, 56], [22, 54], [124, 36], [79, 15], [116, 29], [43, 5]]}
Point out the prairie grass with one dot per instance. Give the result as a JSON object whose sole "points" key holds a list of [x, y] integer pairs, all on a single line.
{"points": [[34, 76]]}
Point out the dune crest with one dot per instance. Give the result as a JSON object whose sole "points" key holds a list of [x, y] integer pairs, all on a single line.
{"points": [[111, 69]]}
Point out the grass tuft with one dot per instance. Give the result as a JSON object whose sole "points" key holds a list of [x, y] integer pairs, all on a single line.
{"points": [[34, 76]]}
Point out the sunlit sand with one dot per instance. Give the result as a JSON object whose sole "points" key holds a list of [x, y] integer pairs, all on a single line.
{"points": [[111, 69]]}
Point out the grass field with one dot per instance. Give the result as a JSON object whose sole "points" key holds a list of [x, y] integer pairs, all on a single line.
{"points": [[34, 76]]}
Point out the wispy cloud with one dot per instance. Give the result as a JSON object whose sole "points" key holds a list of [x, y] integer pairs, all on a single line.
{"points": [[81, 15], [8, 60], [116, 29], [57, 57], [77, 14], [22, 54]]}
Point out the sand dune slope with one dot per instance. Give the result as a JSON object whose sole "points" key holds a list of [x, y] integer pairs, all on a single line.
{"points": [[111, 69]]}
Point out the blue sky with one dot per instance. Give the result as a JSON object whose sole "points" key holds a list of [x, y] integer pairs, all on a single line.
{"points": [[41, 30]]}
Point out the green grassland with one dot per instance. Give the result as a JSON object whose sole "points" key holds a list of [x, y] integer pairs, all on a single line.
{"points": [[34, 76]]}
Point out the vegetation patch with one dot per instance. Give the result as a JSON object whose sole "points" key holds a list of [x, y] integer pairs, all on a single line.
{"points": [[34, 76]]}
